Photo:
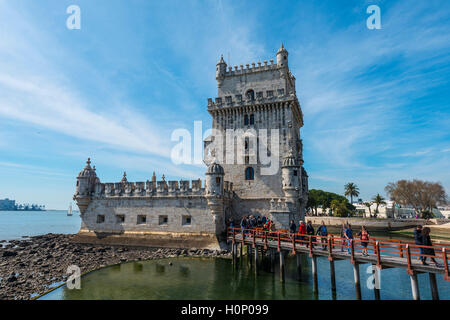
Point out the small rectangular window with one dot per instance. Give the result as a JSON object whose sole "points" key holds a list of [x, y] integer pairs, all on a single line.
{"points": [[186, 220], [120, 218], [295, 173], [141, 219], [163, 220], [100, 218]]}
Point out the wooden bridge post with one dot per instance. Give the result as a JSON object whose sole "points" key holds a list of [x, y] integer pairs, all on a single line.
{"points": [[415, 286], [357, 280], [241, 248], [332, 276], [249, 255], [314, 272], [299, 266], [233, 252], [282, 272], [256, 259], [433, 286]]}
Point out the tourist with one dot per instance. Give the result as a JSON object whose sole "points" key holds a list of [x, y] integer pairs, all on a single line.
{"points": [[292, 227], [231, 223], [244, 224], [344, 227], [263, 221], [430, 250], [364, 237], [323, 233], [310, 232], [418, 238], [259, 221], [301, 230], [349, 236]]}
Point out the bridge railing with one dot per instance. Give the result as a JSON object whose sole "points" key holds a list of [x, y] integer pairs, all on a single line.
{"points": [[378, 246]]}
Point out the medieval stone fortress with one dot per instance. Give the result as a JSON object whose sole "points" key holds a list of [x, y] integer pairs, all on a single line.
{"points": [[257, 98]]}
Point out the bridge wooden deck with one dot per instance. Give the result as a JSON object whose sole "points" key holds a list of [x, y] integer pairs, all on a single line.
{"points": [[383, 253]]}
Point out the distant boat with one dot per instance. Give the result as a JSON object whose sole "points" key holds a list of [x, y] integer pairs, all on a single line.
{"points": [[69, 212]]}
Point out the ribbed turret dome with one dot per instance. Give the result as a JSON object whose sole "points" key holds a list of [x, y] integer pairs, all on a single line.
{"points": [[289, 160], [215, 168], [87, 171]]}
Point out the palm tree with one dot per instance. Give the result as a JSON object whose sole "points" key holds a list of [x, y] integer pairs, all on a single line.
{"points": [[368, 204], [351, 190], [334, 204], [378, 199]]}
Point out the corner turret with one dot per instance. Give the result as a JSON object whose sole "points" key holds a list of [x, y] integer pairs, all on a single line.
{"points": [[86, 180], [221, 69], [214, 179], [282, 57], [290, 173]]}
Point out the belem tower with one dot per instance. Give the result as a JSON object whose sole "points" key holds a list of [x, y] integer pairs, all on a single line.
{"points": [[257, 98]]}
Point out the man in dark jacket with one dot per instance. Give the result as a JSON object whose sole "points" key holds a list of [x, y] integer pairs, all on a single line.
{"points": [[310, 231], [292, 227], [418, 238]]}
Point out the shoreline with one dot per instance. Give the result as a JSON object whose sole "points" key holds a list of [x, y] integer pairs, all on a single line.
{"points": [[29, 266]]}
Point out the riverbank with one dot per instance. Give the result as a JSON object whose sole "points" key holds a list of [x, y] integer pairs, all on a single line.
{"points": [[31, 266]]}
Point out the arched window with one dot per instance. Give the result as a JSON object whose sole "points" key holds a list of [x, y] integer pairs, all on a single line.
{"points": [[218, 181], [249, 174], [246, 120], [252, 119], [250, 94]]}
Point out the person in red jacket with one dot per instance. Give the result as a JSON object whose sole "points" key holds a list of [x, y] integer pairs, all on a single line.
{"points": [[301, 230]]}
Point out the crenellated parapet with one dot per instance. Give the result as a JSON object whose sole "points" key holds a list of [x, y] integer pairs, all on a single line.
{"points": [[127, 189]]}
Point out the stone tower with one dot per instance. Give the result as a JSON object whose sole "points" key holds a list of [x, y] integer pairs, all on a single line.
{"points": [[253, 100]]}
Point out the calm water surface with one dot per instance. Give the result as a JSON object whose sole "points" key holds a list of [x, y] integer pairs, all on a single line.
{"points": [[16, 224], [209, 278]]}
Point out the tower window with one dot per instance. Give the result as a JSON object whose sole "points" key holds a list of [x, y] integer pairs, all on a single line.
{"points": [[246, 120], [295, 173], [186, 220], [249, 174], [252, 119], [100, 218], [218, 181], [141, 219], [250, 94]]}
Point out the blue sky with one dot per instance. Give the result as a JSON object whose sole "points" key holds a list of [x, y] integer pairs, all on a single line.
{"points": [[375, 102]]}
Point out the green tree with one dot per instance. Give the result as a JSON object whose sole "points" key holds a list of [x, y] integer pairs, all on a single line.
{"points": [[378, 199], [351, 190]]}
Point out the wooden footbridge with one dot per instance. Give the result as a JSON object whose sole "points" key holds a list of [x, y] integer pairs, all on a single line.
{"points": [[383, 254]]}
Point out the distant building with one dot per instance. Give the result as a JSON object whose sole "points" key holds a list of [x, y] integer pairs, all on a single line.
{"points": [[7, 204]]}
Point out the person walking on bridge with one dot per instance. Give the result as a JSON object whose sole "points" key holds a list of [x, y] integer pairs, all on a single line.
{"points": [[428, 251], [418, 238], [301, 230], [343, 236], [323, 233], [310, 232], [364, 237], [348, 236], [292, 227]]}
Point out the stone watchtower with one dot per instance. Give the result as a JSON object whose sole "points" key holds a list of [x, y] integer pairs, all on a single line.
{"points": [[86, 181], [251, 100]]}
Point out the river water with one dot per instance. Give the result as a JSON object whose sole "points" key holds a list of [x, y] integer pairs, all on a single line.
{"points": [[215, 278], [18, 224], [207, 278]]}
